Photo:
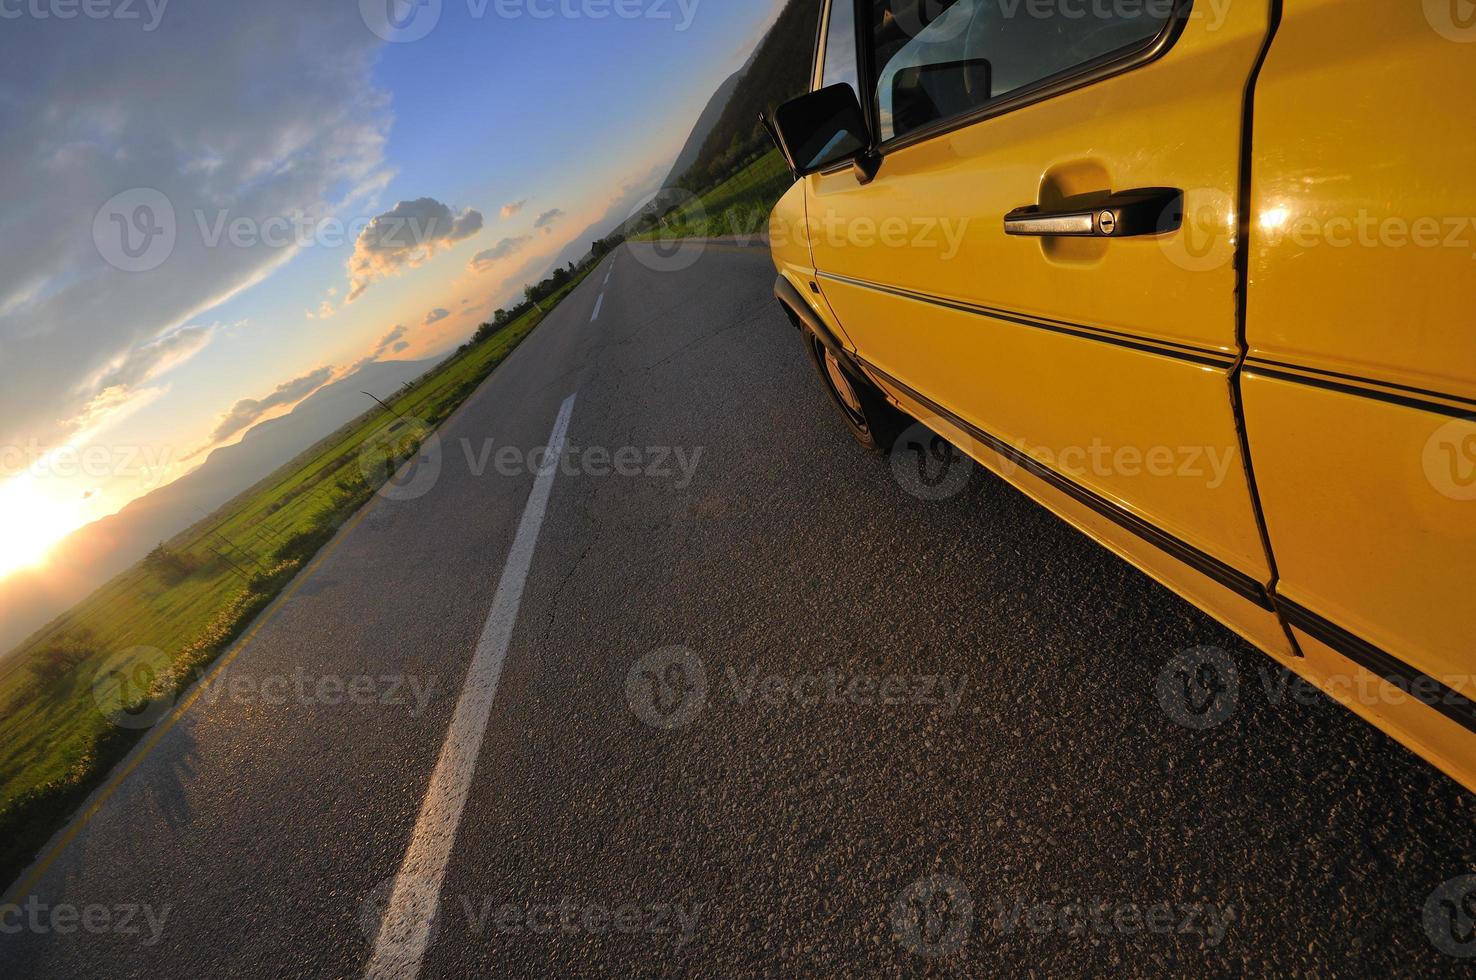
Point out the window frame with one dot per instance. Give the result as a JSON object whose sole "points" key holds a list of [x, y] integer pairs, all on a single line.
{"points": [[817, 73], [1080, 76]]}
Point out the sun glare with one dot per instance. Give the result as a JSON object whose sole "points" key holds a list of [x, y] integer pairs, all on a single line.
{"points": [[31, 525]]}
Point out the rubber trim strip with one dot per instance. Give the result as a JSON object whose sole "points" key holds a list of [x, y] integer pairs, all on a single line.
{"points": [[1245, 187], [1348, 387], [1414, 682], [1180, 352], [1233, 579]]}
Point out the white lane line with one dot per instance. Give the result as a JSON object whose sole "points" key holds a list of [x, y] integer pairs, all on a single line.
{"points": [[598, 303], [609, 274], [415, 899]]}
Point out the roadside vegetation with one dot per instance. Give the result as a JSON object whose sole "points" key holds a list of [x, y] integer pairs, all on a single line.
{"points": [[737, 206], [152, 631], [157, 627], [738, 176], [780, 70]]}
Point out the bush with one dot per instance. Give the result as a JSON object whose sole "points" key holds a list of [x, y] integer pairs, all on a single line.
{"points": [[301, 547], [172, 567], [56, 660]]}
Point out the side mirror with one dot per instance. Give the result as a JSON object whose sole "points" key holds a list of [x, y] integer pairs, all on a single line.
{"points": [[823, 129]]}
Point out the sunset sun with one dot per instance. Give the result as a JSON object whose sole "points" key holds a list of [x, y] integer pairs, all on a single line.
{"points": [[31, 525]]}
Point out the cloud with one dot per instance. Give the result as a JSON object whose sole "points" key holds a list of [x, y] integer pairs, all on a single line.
{"points": [[546, 220], [396, 334], [248, 410], [122, 387], [406, 235], [394, 340], [86, 117], [508, 210], [324, 312], [484, 260], [435, 316], [143, 364]]}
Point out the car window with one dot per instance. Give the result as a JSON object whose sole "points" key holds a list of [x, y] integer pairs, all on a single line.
{"points": [[943, 58], [840, 47]]}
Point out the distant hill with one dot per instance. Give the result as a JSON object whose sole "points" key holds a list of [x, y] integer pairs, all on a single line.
{"points": [[706, 123], [92, 555], [778, 71]]}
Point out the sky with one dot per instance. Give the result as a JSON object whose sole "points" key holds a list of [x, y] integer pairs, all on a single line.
{"points": [[209, 210]]}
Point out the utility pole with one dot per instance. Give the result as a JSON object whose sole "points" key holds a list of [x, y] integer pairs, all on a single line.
{"points": [[390, 410]]}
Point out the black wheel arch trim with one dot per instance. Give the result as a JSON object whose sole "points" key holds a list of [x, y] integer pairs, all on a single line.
{"points": [[804, 318]]}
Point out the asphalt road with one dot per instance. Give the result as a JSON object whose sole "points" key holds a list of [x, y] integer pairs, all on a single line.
{"points": [[748, 803]]}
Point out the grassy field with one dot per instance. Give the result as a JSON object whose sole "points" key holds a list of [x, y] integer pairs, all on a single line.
{"points": [[150, 632], [739, 205]]}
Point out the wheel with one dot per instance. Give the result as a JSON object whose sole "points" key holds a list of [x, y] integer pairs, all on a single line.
{"points": [[873, 421]]}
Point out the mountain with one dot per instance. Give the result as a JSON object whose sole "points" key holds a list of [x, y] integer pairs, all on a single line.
{"points": [[706, 123], [92, 555], [778, 71]]}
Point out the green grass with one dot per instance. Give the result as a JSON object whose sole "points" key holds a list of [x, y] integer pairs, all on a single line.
{"points": [[739, 205], [56, 743]]}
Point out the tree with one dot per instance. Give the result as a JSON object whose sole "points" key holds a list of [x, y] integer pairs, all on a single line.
{"points": [[170, 566], [60, 657]]}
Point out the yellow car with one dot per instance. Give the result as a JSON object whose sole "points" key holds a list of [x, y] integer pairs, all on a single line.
{"points": [[1200, 277]]}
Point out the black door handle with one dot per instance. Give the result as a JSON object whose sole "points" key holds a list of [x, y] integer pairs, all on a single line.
{"points": [[1149, 211]]}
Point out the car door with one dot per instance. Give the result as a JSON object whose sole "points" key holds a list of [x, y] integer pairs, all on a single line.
{"points": [[1360, 389], [1106, 363]]}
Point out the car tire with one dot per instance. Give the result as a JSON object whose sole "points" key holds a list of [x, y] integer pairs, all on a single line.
{"points": [[873, 421]]}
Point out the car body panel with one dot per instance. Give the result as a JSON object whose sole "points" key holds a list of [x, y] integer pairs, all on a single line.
{"points": [[1074, 347], [1155, 434], [1363, 260], [1360, 382], [788, 243], [1257, 625], [1339, 380]]}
